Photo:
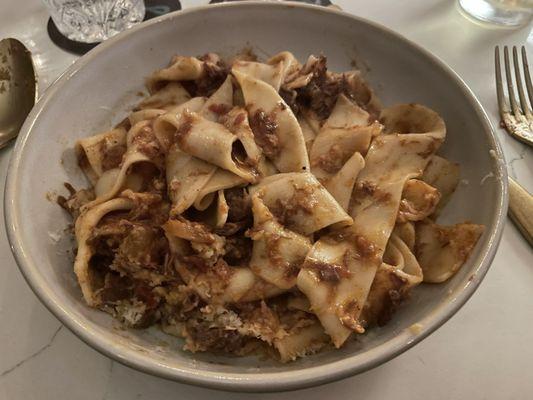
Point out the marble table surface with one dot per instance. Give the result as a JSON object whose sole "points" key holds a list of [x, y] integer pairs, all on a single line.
{"points": [[483, 352]]}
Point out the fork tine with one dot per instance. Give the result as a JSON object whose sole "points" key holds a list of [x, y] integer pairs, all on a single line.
{"points": [[502, 104], [527, 76], [510, 87], [519, 87]]}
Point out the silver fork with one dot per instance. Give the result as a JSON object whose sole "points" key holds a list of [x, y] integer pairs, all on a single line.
{"points": [[518, 121]]}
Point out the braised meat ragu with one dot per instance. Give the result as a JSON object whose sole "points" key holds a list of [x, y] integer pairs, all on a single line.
{"points": [[263, 207]]}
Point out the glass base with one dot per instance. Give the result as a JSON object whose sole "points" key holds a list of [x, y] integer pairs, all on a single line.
{"points": [[508, 13], [154, 8], [90, 21]]}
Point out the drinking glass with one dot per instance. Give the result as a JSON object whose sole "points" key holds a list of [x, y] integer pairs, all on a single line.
{"points": [[500, 12], [91, 21]]}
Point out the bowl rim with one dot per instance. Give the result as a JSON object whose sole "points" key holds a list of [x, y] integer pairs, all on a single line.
{"points": [[250, 382]]}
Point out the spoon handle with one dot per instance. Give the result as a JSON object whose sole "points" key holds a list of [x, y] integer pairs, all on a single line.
{"points": [[521, 209]]}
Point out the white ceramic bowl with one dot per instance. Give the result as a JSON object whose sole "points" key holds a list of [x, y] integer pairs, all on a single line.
{"points": [[95, 92]]}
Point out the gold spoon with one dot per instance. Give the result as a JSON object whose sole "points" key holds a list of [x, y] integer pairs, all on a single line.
{"points": [[18, 88]]}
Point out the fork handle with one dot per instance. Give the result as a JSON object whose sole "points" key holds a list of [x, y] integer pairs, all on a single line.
{"points": [[521, 209]]}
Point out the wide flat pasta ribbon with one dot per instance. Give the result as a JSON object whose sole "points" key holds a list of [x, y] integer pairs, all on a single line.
{"points": [[395, 277], [335, 155], [142, 146], [186, 176], [90, 151], [276, 128], [442, 250], [220, 102], [277, 252], [220, 180], [346, 131], [85, 225], [172, 94], [287, 208], [180, 69], [356, 253], [443, 175], [300, 202], [270, 74], [218, 283], [208, 141]]}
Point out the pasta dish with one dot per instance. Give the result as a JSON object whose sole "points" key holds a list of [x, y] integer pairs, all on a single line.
{"points": [[263, 207]]}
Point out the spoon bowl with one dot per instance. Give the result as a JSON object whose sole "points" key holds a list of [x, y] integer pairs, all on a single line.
{"points": [[18, 88]]}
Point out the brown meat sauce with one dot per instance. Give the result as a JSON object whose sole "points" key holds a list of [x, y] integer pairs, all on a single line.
{"points": [[265, 128], [152, 266], [112, 155], [301, 202], [332, 161], [387, 293], [147, 143], [215, 72], [240, 205], [327, 272]]}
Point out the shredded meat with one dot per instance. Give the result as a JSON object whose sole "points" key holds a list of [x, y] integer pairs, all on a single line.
{"points": [[132, 301], [193, 231], [129, 258], [260, 319], [109, 233], [231, 228], [222, 270], [214, 74], [179, 302], [147, 143], [370, 189], [241, 117], [203, 337], [327, 272], [220, 109], [388, 291], [301, 202], [289, 97], [184, 128], [367, 188], [75, 200], [195, 262], [142, 247], [332, 161], [321, 93], [273, 253], [264, 129], [116, 288], [365, 248], [218, 330], [240, 206], [210, 252], [323, 89], [112, 155], [238, 250], [347, 318], [148, 207], [304, 200]]}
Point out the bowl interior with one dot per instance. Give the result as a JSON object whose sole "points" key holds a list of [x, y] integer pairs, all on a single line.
{"points": [[97, 92]]}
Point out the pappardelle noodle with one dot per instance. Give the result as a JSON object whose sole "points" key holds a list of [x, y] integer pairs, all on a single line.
{"points": [[263, 207]]}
